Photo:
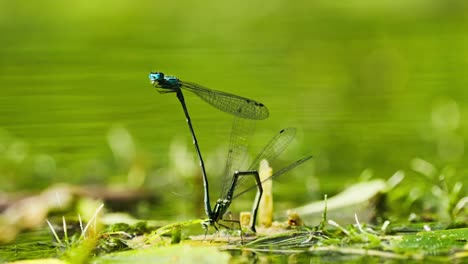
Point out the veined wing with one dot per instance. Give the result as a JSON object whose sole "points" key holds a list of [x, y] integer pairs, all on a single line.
{"points": [[237, 153], [229, 103], [274, 147], [278, 173]]}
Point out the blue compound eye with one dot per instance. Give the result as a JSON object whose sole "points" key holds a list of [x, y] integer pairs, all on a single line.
{"points": [[154, 76]]}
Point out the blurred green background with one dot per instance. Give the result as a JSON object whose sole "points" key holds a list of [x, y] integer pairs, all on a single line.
{"points": [[368, 85]]}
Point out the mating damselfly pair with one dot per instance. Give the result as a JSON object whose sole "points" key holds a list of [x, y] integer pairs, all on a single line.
{"points": [[245, 110]]}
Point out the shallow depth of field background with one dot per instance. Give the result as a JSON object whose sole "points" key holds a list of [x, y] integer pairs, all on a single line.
{"points": [[368, 86]]}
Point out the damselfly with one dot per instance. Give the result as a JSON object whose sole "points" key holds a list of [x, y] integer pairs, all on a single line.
{"points": [[236, 176], [229, 103]]}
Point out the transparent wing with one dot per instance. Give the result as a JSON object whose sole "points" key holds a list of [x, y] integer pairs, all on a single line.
{"points": [[238, 148], [278, 173], [229, 103], [274, 147]]}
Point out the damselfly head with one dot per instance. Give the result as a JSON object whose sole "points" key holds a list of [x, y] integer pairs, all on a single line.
{"points": [[156, 76], [206, 223]]}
